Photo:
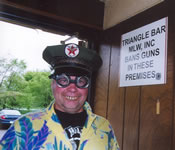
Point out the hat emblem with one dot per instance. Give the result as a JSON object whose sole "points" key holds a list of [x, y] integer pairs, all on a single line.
{"points": [[71, 50]]}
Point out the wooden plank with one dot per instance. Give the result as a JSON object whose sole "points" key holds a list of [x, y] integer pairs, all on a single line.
{"points": [[101, 93], [116, 96], [156, 129], [173, 128], [131, 118]]}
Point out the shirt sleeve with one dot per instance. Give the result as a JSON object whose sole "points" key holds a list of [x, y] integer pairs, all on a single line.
{"points": [[9, 141], [113, 140]]}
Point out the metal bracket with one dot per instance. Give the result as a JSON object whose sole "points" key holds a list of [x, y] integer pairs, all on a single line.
{"points": [[73, 36]]}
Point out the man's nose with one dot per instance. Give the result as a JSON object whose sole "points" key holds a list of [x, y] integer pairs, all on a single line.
{"points": [[72, 87]]}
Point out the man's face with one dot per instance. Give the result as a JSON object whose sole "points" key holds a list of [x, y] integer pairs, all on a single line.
{"points": [[69, 99]]}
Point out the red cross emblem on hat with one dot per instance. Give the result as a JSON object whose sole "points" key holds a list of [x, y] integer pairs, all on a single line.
{"points": [[71, 50]]}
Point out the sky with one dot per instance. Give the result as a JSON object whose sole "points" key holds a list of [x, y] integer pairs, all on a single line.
{"points": [[27, 44]]}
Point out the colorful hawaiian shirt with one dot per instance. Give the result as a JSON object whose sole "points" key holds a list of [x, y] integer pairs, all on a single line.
{"points": [[43, 131]]}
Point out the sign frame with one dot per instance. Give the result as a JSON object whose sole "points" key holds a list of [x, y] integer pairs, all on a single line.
{"points": [[143, 55]]}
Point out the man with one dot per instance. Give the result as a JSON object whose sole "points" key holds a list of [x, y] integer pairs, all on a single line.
{"points": [[68, 123]]}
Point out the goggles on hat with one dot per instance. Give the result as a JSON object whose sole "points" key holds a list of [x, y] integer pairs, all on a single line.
{"points": [[64, 80]]}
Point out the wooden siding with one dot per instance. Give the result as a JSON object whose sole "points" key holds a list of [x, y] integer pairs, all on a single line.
{"points": [[132, 110]]}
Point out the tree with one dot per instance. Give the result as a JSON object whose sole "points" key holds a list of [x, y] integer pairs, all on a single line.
{"points": [[38, 88], [10, 73], [7, 69], [19, 89]]}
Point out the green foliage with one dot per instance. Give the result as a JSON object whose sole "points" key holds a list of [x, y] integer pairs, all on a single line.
{"points": [[10, 73], [23, 90], [10, 68], [38, 84]]}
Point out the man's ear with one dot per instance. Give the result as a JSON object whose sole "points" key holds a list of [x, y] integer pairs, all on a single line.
{"points": [[53, 85]]}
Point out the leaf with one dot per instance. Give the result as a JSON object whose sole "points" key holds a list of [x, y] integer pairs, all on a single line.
{"points": [[8, 141], [40, 138], [27, 132], [83, 144], [55, 144], [55, 118]]}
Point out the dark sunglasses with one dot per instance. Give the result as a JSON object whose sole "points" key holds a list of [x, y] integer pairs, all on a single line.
{"points": [[64, 80]]}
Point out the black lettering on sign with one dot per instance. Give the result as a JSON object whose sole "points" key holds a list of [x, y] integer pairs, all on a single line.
{"points": [[150, 43], [158, 30], [135, 47], [135, 38], [150, 53], [140, 75]]}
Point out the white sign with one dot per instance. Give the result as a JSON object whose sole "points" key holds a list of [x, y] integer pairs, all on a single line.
{"points": [[143, 55]]}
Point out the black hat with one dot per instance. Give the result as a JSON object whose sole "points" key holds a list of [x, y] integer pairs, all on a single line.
{"points": [[72, 58]]}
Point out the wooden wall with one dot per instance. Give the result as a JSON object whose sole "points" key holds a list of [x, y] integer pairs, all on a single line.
{"points": [[132, 110]]}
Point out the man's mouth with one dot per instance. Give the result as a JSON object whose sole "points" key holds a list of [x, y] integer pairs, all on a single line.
{"points": [[71, 98]]}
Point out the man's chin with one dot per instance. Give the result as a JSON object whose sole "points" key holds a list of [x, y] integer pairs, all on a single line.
{"points": [[73, 110]]}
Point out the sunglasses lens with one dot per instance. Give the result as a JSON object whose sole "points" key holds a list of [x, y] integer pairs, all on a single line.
{"points": [[62, 80], [82, 82]]}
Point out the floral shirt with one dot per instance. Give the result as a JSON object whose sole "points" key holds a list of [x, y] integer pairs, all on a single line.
{"points": [[43, 131]]}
